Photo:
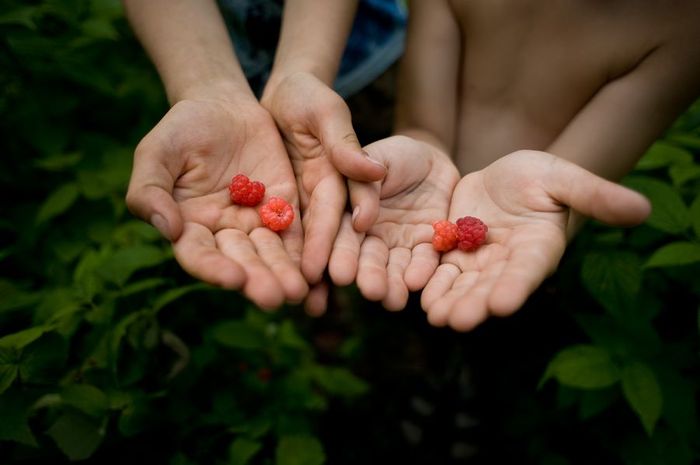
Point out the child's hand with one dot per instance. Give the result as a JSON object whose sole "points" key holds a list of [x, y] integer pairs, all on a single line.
{"points": [[179, 183], [396, 254], [524, 198], [317, 129]]}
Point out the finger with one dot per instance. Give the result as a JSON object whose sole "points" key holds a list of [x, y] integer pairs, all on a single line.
{"points": [[316, 301], [321, 223], [397, 292], [271, 251], [424, 262], [594, 196], [440, 310], [149, 195], [197, 253], [371, 270], [471, 308], [364, 199], [339, 139], [438, 285], [343, 263], [262, 287], [527, 267]]}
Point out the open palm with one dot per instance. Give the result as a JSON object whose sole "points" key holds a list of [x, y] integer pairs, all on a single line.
{"points": [[180, 179], [524, 198], [317, 129], [396, 255]]}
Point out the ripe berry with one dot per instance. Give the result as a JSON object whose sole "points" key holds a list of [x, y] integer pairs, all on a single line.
{"points": [[246, 192], [444, 236], [277, 214], [471, 233]]}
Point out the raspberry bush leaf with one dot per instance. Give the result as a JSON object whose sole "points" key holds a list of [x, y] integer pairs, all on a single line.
{"points": [[642, 391], [669, 212], [58, 202], [663, 154], [583, 367], [675, 254], [299, 450]]}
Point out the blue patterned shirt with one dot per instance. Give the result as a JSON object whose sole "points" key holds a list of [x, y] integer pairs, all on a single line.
{"points": [[376, 40]]}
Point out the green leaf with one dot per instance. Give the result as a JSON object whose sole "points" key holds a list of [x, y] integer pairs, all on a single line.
{"points": [[58, 202], [8, 367], [238, 335], [242, 450], [595, 402], [669, 212], [16, 407], [642, 391], [121, 264], [58, 162], [612, 278], [664, 154], [299, 450], [21, 16], [141, 286], [174, 294], [339, 381], [681, 174], [582, 367], [675, 254], [43, 360], [86, 398], [99, 28], [22, 338], [695, 215], [77, 435], [13, 297]]}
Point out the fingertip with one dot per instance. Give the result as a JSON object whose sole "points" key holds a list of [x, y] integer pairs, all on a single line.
{"points": [[365, 214], [357, 165], [464, 320], [316, 302]]}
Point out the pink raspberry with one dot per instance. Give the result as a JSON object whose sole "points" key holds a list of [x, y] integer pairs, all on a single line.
{"points": [[277, 214], [245, 192], [444, 236], [471, 233]]}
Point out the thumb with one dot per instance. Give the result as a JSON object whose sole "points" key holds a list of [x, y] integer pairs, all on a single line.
{"points": [[149, 196], [596, 197], [340, 141]]}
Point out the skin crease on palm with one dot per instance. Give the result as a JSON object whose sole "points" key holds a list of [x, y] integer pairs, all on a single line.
{"points": [[396, 255], [524, 199], [199, 146]]}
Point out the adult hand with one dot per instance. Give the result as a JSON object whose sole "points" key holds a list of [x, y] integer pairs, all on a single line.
{"points": [[396, 254], [525, 199], [317, 129], [179, 183]]}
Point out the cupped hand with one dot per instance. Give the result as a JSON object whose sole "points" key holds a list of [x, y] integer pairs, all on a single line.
{"points": [[317, 129], [179, 183], [525, 199], [396, 256]]}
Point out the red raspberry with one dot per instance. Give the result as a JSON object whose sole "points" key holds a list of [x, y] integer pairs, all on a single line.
{"points": [[277, 214], [445, 236], [471, 233], [246, 192]]}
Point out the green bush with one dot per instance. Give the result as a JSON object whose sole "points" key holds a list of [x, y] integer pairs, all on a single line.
{"points": [[109, 352]]}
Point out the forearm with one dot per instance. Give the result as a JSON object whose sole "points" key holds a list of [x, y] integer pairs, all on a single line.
{"points": [[312, 39], [190, 47], [426, 105]]}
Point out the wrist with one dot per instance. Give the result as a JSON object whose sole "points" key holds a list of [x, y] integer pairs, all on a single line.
{"points": [[220, 89]]}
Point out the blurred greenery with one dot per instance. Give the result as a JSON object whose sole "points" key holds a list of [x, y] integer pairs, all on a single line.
{"points": [[110, 353]]}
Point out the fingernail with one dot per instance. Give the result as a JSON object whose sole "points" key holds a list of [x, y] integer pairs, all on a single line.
{"points": [[369, 157], [355, 214], [161, 224]]}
